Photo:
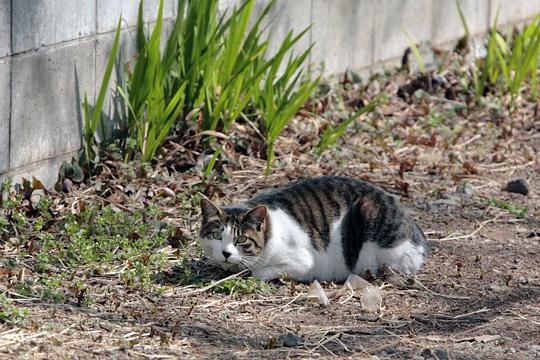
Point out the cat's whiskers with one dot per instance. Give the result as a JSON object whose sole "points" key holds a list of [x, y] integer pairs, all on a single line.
{"points": [[254, 262]]}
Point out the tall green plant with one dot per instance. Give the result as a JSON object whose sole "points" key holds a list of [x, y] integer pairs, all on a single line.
{"points": [[212, 64], [509, 61], [281, 95], [151, 111], [517, 57], [93, 116]]}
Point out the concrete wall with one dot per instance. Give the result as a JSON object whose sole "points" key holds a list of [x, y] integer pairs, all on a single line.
{"points": [[54, 51]]}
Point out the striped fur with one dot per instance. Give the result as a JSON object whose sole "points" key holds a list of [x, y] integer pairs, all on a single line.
{"points": [[323, 228]]}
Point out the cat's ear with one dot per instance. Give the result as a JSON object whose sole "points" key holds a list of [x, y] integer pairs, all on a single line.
{"points": [[257, 216], [209, 210]]}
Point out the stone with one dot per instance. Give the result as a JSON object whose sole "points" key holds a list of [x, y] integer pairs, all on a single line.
{"points": [[441, 354], [466, 190], [518, 186], [343, 35], [4, 115], [297, 19], [290, 340], [47, 89], [38, 23]]}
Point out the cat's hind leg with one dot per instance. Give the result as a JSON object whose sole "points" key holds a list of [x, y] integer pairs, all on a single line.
{"points": [[407, 257]]}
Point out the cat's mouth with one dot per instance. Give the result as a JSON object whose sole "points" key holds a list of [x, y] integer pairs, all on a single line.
{"points": [[226, 265]]}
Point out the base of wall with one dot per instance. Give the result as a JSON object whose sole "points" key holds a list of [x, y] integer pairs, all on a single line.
{"points": [[45, 171]]}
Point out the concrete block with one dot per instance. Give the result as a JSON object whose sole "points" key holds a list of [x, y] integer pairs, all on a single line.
{"points": [[282, 18], [107, 15], [38, 23], [446, 23], [45, 171], [5, 28], [47, 88], [4, 115], [513, 11], [343, 34], [128, 53], [392, 17]]}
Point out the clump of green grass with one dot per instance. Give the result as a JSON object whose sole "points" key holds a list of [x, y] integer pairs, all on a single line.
{"points": [[510, 61], [245, 286], [518, 211]]}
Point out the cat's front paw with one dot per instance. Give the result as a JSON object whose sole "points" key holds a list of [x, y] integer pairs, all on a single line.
{"points": [[267, 274]]}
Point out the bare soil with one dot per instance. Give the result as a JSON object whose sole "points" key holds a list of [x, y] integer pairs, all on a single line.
{"points": [[477, 297]]}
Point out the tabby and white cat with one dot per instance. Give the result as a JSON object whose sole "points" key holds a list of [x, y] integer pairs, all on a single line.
{"points": [[323, 228]]}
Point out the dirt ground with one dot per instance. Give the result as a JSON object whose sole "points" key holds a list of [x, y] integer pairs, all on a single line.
{"points": [[477, 297]]}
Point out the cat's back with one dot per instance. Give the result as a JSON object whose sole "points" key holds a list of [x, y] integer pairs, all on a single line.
{"points": [[317, 203], [325, 192]]}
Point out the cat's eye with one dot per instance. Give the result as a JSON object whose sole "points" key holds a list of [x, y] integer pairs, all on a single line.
{"points": [[242, 239], [216, 235]]}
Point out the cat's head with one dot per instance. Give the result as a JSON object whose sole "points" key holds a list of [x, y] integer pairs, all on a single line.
{"points": [[233, 236]]}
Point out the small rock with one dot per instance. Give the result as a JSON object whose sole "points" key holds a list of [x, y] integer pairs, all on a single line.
{"points": [[290, 340], [466, 190], [441, 354], [518, 186], [535, 348]]}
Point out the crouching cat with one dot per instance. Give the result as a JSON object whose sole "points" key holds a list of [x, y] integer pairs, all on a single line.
{"points": [[323, 228]]}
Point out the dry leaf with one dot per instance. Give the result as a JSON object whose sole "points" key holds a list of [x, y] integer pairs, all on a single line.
{"points": [[317, 293], [371, 299], [355, 282]]}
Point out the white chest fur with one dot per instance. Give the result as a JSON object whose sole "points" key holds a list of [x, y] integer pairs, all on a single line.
{"points": [[290, 251]]}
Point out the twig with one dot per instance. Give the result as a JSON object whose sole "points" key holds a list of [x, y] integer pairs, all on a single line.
{"points": [[474, 138], [521, 317], [448, 238], [214, 284], [471, 313], [416, 281]]}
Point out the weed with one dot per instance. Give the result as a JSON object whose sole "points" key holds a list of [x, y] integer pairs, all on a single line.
{"points": [[213, 68], [416, 52], [509, 61], [93, 116], [65, 250], [11, 314], [331, 135], [518, 211], [245, 286]]}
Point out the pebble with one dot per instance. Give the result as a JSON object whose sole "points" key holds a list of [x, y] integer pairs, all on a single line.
{"points": [[518, 186], [441, 354], [290, 340], [466, 190]]}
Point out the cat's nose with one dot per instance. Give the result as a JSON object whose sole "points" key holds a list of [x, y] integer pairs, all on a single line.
{"points": [[226, 254]]}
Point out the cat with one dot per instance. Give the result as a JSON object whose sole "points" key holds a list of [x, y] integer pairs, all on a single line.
{"points": [[323, 228]]}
